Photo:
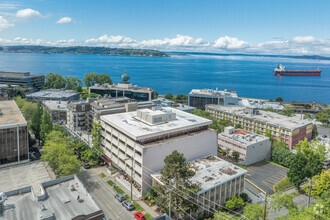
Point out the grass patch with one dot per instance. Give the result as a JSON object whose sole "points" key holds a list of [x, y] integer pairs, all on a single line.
{"points": [[275, 164], [137, 207], [110, 182], [112, 169], [127, 197], [148, 216], [283, 185], [241, 166], [119, 190], [102, 175]]}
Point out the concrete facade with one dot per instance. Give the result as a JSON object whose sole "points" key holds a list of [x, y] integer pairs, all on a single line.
{"points": [[14, 146], [291, 130], [198, 98], [22, 79], [129, 140], [252, 147], [57, 110]]}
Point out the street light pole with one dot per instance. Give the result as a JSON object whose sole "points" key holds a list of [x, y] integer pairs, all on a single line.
{"points": [[265, 207]]}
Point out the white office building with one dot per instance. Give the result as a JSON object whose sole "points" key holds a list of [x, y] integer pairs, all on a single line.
{"points": [[145, 137]]}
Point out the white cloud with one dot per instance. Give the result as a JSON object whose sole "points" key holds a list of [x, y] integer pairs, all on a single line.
{"points": [[4, 23], [299, 45], [8, 6], [64, 20], [27, 13]]}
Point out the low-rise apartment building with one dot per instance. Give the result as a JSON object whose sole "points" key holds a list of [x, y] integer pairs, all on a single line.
{"points": [[289, 129], [218, 181], [57, 110], [198, 98], [145, 137], [251, 147], [14, 146]]}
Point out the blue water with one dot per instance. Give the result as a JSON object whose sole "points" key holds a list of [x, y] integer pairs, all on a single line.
{"points": [[250, 76]]}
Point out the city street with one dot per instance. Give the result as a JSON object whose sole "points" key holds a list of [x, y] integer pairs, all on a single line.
{"points": [[103, 195]]}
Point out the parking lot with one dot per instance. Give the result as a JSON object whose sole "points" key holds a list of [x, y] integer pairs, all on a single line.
{"points": [[266, 175]]}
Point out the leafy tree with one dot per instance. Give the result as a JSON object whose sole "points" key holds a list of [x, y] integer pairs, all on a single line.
{"points": [[314, 146], [323, 116], [235, 155], [297, 173], [308, 116], [36, 121], [235, 202], [59, 155], [46, 125], [175, 175], [181, 97], [91, 79], [237, 126], [244, 196], [315, 133], [73, 83], [279, 99], [54, 81], [280, 201], [282, 156], [90, 95], [219, 215], [269, 109], [169, 96], [254, 211], [320, 184], [155, 95], [28, 110], [97, 139], [20, 102]]}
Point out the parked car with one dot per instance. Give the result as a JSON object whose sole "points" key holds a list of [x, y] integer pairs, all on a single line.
{"points": [[128, 205], [324, 136], [139, 216], [119, 197], [86, 165]]}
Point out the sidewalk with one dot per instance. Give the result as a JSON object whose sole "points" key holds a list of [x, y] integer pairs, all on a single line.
{"points": [[120, 183]]}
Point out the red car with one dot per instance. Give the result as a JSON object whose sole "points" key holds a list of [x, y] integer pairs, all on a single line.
{"points": [[139, 216]]}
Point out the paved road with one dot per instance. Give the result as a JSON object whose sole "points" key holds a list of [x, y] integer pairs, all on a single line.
{"points": [[103, 195], [266, 175]]}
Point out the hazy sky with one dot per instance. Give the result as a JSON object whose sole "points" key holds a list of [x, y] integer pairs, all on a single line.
{"points": [[248, 26]]}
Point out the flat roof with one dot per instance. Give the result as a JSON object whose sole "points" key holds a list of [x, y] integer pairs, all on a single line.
{"points": [[60, 202], [244, 137], [134, 88], [264, 116], [11, 115], [53, 93], [14, 74], [211, 92], [129, 124], [210, 172], [56, 105]]}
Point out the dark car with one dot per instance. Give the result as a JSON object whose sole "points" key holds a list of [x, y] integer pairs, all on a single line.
{"points": [[86, 165], [139, 216], [119, 197], [324, 136], [128, 205]]}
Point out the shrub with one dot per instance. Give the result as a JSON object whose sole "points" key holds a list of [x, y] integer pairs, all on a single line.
{"points": [[148, 216], [146, 196], [152, 202], [112, 169], [137, 207], [102, 175], [283, 185], [119, 190], [127, 197], [244, 196]]}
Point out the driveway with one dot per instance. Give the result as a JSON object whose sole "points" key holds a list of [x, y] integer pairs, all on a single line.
{"points": [[266, 175], [103, 195]]}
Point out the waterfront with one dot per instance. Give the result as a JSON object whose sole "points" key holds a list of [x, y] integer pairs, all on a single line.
{"points": [[250, 76]]}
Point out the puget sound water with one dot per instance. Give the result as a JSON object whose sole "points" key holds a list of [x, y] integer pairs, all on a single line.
{"points": [[250, 76]]}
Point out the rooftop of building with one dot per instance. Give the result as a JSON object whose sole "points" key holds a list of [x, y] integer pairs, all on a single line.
{"points": [[103, 103], [10, 114], [61, 202], [53, 93], [137, 129], [211, 92], [260, 104], [243, 136], [14, 74], [210, 172], [271, 118], [55, 105], [122, 86]]}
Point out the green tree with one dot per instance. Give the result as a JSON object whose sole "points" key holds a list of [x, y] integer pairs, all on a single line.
{"points": [[315, 133], [281, 155], [297, 173], [54, 81], [28, 110], [235, 202], [175, 175], [36, 121], [97, 138], [237, 126], [323, 116], [73, 83], [254, 211], [46, 125], [219, 215], [279, 99], [320, 184], [59, 155], [280, 201], [235, 155], [91, 79], [20, 102], [181, 97], [90, 95], [169, 96], [287, 111]]}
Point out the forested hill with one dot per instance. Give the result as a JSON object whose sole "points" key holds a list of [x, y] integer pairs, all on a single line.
{"points": [[83, 50]]}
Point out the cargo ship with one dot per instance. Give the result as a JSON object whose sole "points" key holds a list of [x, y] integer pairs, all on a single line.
{"points": [[280, 71]]}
